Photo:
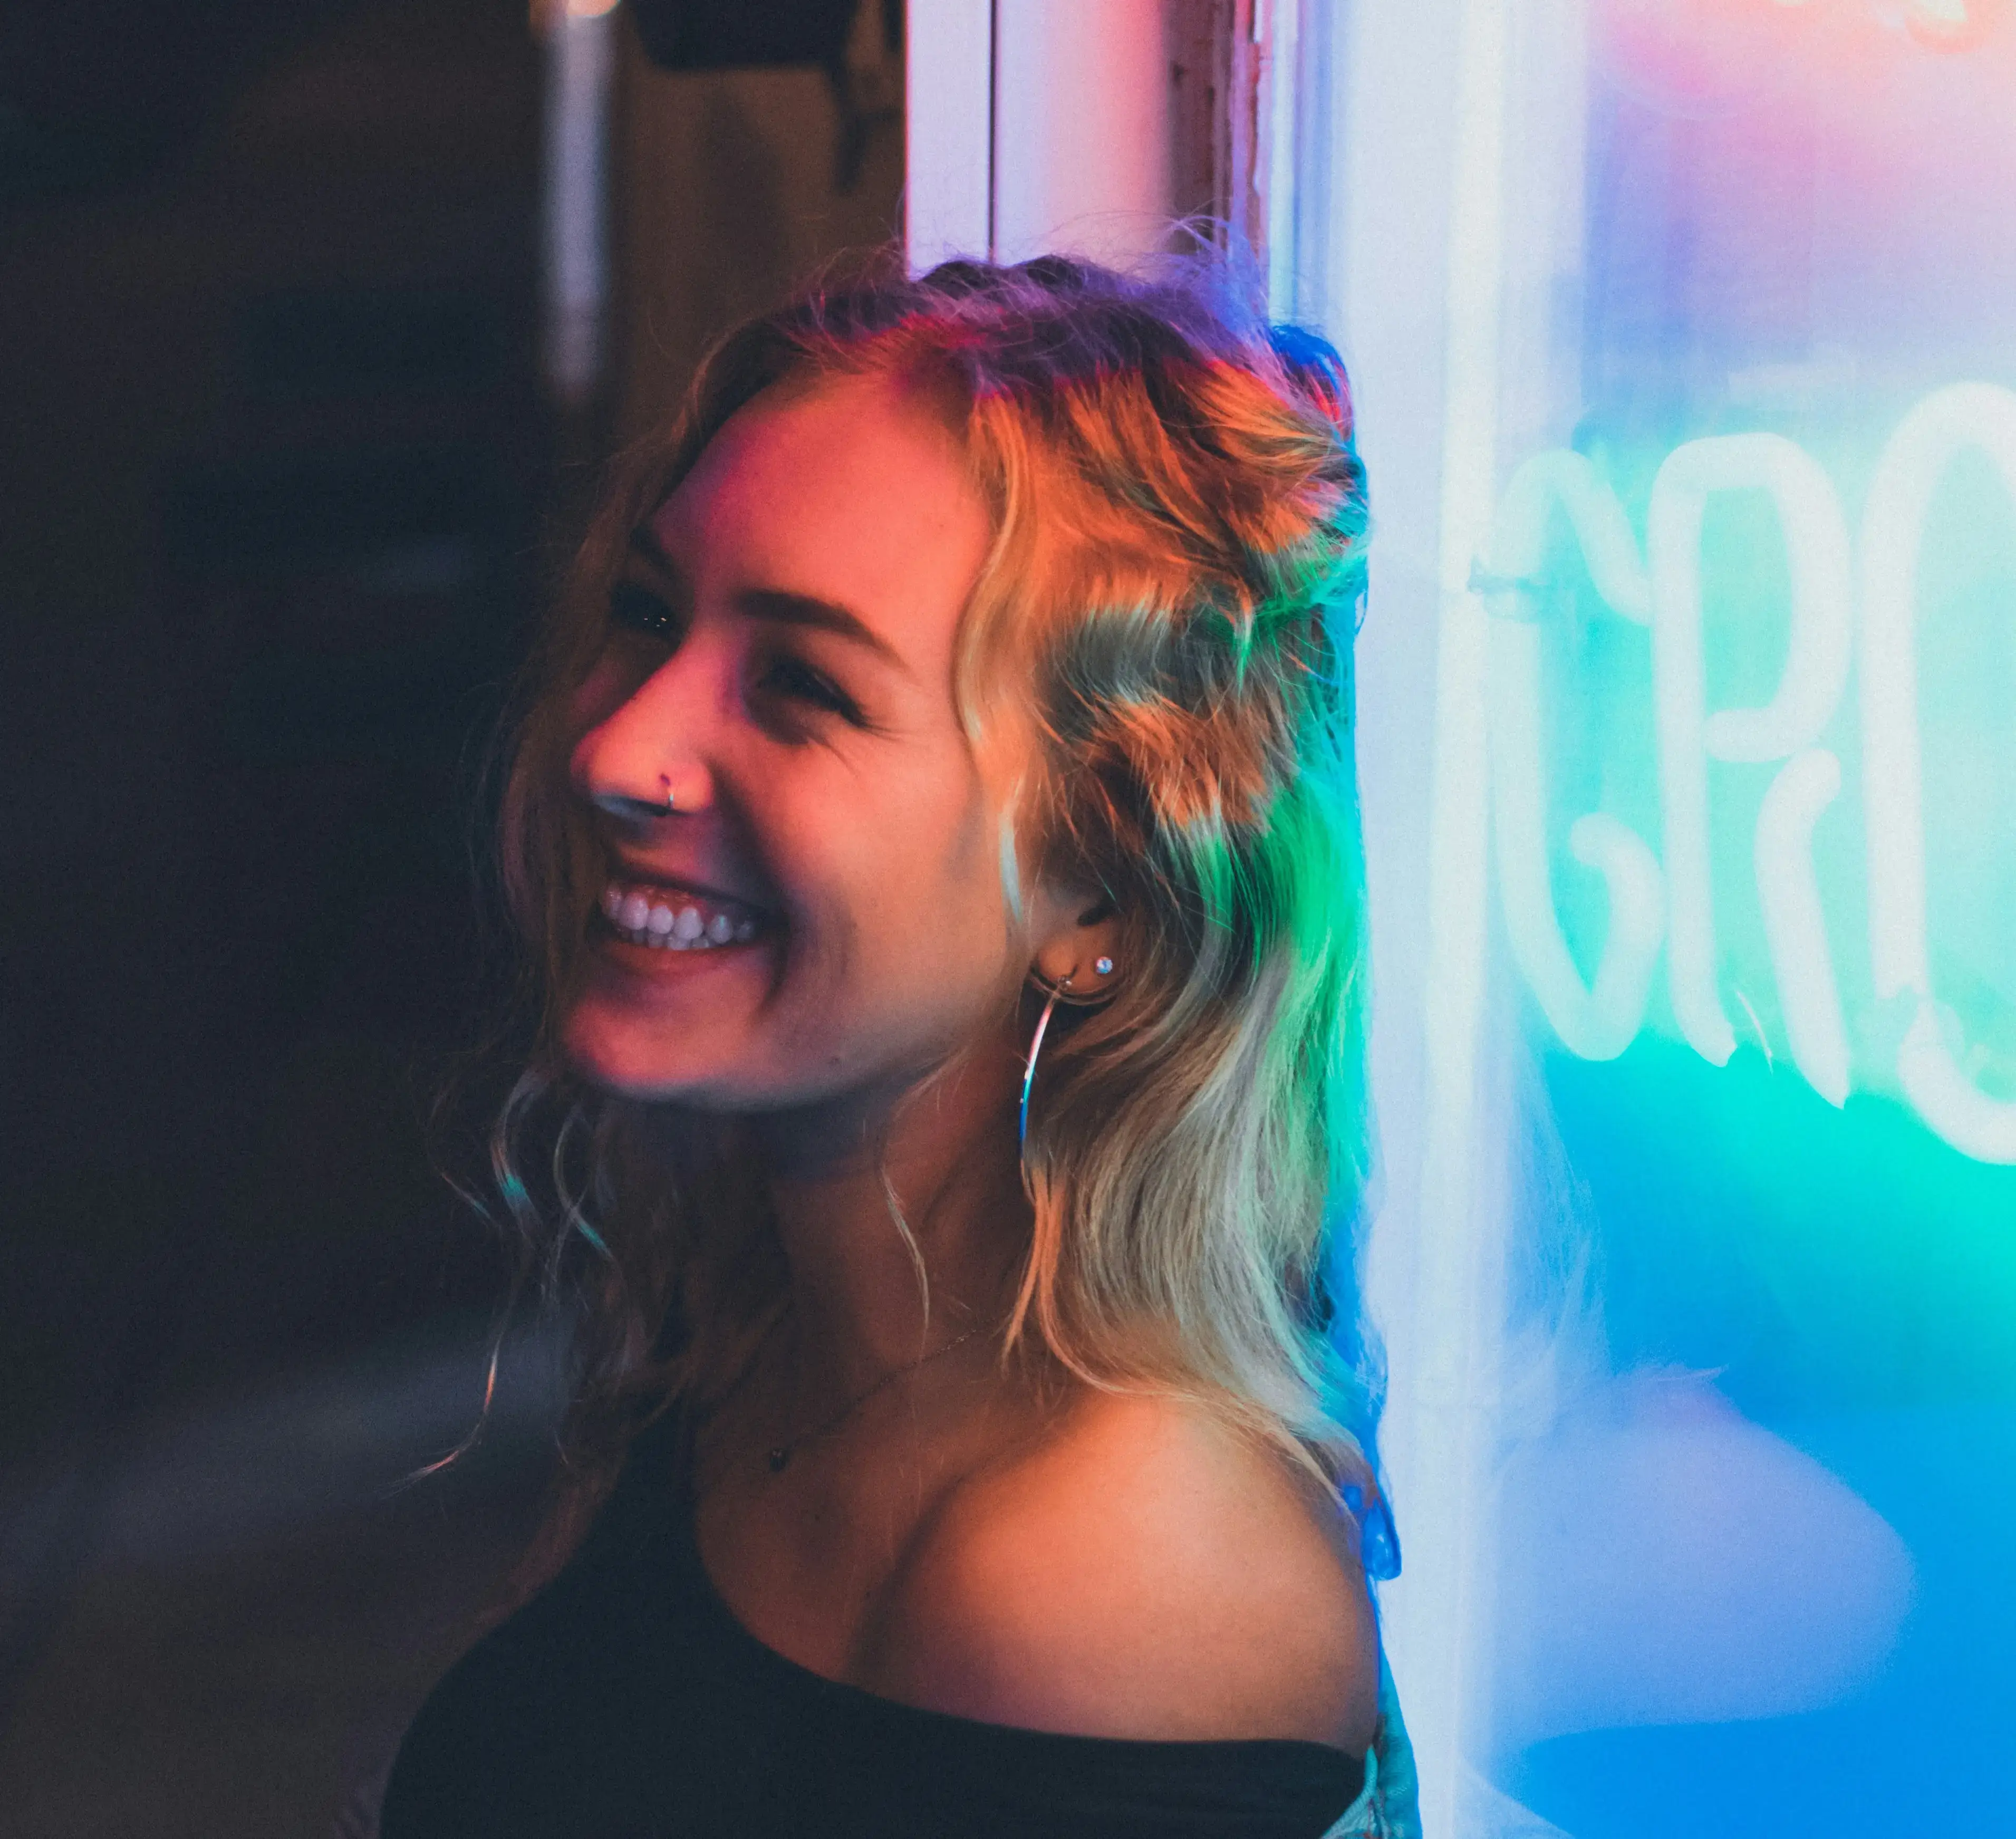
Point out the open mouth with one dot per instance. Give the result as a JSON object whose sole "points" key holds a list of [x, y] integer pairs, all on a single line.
{"points": [[665, 918]]}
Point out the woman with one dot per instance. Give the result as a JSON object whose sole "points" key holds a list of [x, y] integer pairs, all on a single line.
{"points": [[934, 825]]}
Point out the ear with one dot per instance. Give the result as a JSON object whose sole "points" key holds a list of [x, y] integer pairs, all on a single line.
{"points": [[1082, 932]]}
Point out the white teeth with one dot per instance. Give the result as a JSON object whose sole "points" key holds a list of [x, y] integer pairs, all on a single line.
{"points": [[649, 918]]}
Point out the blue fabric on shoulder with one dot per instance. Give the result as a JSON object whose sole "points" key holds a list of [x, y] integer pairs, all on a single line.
{"points": [[1389, 1807]]}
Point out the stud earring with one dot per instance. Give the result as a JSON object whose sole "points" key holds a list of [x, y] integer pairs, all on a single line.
{"points": [[1103, 965]]}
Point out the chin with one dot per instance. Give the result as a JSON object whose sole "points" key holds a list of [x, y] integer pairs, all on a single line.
{"points": [[613, 1052], [667, 1065]]}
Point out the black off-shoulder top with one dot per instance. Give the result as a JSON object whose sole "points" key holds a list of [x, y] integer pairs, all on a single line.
{"points": [[625, 1701]]}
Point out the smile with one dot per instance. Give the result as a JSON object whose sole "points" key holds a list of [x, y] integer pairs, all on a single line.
{"points": [[673, 919]]}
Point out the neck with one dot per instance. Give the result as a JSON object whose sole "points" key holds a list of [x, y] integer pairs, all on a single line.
{"points": [[944, 1156]]}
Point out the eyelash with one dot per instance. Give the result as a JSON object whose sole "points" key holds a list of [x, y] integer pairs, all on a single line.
{"points": [[809, 686], [641, 611]]}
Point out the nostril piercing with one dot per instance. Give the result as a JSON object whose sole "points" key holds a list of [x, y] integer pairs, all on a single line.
{"points": [[665, 780], [1103, 965]]}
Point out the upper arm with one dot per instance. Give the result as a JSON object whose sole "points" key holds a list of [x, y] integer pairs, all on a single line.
{"points": [[1149, 1576]]}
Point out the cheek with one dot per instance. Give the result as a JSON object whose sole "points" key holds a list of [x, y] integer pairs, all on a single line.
{"points": [[598, 695], [951, 878], [603, 691], [914, 910]]}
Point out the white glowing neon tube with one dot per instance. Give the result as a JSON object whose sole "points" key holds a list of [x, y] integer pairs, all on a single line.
{"points": [[1596, 1020], [1817, 546], [1512, 558], [1964, 415], [1795, 927]]}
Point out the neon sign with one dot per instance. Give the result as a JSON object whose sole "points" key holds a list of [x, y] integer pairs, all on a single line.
{"points": [[1668, 898]]}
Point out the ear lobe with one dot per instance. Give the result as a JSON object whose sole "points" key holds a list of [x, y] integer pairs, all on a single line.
{"points": [[1072, 956]]}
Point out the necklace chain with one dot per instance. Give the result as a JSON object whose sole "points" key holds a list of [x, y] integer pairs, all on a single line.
{"points": [[782, 1454]]}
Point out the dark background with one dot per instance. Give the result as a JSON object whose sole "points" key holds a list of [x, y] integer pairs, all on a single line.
{"points": [[280, 494]]}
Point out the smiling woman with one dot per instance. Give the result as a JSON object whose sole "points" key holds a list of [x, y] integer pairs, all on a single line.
{"points": [[819, 781], [974, 646]]}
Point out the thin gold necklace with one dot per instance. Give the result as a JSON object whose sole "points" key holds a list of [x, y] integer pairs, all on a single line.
{"points": [[778, 1457]]}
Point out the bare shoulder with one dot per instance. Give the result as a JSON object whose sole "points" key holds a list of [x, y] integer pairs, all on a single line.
{"points": [[1141, 1571]]}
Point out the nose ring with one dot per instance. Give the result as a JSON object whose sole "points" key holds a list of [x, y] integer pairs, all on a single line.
{"points": [[671, 802]]}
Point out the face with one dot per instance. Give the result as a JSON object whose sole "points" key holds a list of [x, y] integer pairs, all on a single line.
{"points": [[821, 913]]}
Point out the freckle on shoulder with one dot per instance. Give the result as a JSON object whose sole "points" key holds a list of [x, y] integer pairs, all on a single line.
{"points": [[1142, 1571]]}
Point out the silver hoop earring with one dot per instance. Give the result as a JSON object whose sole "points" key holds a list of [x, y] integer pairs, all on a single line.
{"points": [[1029, 1072]]}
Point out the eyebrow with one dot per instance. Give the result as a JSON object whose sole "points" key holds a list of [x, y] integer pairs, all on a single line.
{"points": [[779, 606]]}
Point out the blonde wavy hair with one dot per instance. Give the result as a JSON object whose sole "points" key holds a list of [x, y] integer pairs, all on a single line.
{"points": [[1153, 669]]}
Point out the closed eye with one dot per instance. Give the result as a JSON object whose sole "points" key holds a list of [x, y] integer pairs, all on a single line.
{"points": [[786, 675]]}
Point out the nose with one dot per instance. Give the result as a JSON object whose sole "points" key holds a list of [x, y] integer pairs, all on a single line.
{"points": [[649, 757]]}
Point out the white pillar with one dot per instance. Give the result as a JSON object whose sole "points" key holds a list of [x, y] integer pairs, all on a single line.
{"points": [[1043, 125], [1410, 295], [1083, 161], [948, 125]]}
